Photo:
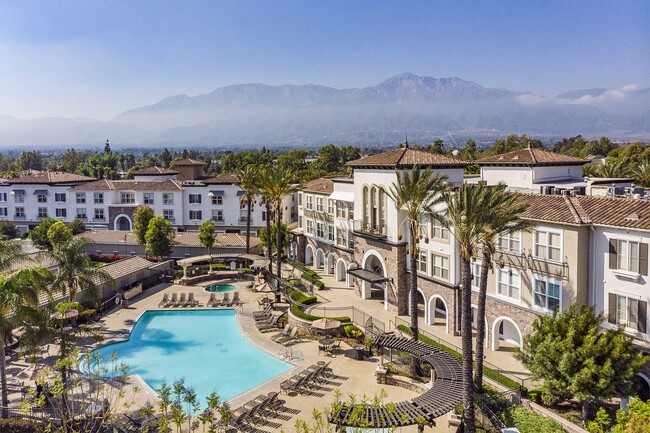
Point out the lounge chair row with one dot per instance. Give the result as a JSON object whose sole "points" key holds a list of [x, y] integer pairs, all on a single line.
{"points": [[226, 301], [307, 379], [288, 336], [184, 300], [256, 410]]}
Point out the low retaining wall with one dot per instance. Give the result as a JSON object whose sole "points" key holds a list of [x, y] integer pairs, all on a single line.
{"points": [[216, 277]]}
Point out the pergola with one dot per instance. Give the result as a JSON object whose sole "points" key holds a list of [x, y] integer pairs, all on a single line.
{"points": [[257, 262]]}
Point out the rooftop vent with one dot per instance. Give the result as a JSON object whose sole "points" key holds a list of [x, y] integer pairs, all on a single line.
{"points": [[633, 217]]}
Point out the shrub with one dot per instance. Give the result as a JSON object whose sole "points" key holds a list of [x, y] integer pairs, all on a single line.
{"points": [[527, 421], [314, 280], [105, 258], [303, 299], [19, 425], [8, 230], [353, 331]]}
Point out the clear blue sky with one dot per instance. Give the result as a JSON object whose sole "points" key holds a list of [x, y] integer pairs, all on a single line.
{"points": [[99, 58]]}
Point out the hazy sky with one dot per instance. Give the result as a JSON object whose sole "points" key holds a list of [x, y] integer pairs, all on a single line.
{"points": [[99, 58]]}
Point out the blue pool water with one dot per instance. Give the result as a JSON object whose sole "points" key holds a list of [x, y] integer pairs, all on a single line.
{"points": [[204, 347], [220, 288]]}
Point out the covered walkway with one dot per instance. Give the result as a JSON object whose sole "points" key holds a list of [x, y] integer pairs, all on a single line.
{"points": [[256, 262]]}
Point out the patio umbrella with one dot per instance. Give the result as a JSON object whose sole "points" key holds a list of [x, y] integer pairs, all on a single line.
{"points": [[326, 324], [68, 314], [264, 288]]}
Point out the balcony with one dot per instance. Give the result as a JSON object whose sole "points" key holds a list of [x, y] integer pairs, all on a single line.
{"points": [[242, 220], [368, 229], [20, 217], [219, 221]]}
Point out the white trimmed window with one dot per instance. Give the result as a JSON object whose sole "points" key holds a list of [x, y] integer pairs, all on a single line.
{"points": [[628, 255], [217, 215], [127, 197], [196, 215], [547, 244], [168, 214], [81, 213], [310, 227], [61, 212], [341, 237], [19, 197], [59, 197], [421, 261], [340, 209], [20, 213], [41, 198], [148, 197], [320, 229], [509, 283], [168, 198], [330, 206], [319, 204], [510, 243], [628, 312], [299, 199], [476, 275], [440, 266], [3, 197], [99, 214], [547, 293], [351, 211], [80, 197], [438, 231], [308, 202], [3, 212], [217, 200], [42, 212], [330, 232], [195, 198], [98, 198]]}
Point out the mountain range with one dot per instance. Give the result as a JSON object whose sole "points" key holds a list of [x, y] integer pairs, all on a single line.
{"points": [[423, 107]]}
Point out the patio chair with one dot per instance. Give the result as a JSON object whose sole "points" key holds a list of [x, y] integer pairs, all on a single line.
{"points": [[284, 333], [270, 326], [236, 300], [263, 314], [225, 302], [182, 301], [334, 348], [212, 300], [173, 301], [191, 302], [286, 338], [164, 301]]}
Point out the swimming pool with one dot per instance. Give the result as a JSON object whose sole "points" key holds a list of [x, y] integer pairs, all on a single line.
{"points": [[206, 347], [220, 288]]}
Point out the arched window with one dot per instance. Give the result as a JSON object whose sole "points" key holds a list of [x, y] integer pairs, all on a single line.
{"points": [[366, 206], [382, 203], [374, 206]]}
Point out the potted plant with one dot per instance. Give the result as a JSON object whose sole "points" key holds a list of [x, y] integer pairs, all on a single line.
{"points": [[368, 342], [455, 418]]}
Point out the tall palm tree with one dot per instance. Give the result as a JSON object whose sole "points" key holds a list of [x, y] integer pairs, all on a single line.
{"points": [[247, 178], [464, 216], [17, 289], [265, 182], [503, 219], [281, 183], [642, 174], [76, 272], [415, 193]]}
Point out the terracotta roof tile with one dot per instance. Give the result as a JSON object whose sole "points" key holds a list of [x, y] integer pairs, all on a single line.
{"points": [[124, 267], [130, 185], [531, 157], [323, 185], [223, 179], [406, 158], [188, 161], [49, 177], [152, 171], [551, 208]]}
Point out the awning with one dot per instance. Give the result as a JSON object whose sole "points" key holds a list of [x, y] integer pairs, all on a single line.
{"points": [[18, 191], [216, 193], [342, 195], [240, 193], [40, 192], [367, 275]]}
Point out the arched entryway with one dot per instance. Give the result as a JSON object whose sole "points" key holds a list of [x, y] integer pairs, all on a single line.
{"points": [[642, 387], [329, 263], [421, 302], [339, 273], [309, 255], [506, 334], [293, 251], [349, 278], [123, 223], [438, 312], [373, 262], [320, 259]]}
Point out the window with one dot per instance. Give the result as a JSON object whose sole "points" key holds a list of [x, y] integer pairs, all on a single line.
{"points": [[3, 197], [330, 207], [81, 213], [80, 197], [41, 198], [438, 231], [421, 261], [217, 215], [299, 199], [440, 266], [148, 198], [319, 204], [98, 198], [628, 312], [42, 212], [195, 198], [99, 214], [546, 293], [308, 200], [217, 199], [350, 241], [264, 215], [310, 227], [61, 212], [476, 275], [330, 232], [19, 197], [168, 198], [301, 222], [20, 213], [508, 283], [127, 197], [351, 211], [627, 255], [168, 214], [340, 237], [510, 243], [340, 209], [59, 197], [3, 212], [547, 245], [196, 215], [320, 229]]}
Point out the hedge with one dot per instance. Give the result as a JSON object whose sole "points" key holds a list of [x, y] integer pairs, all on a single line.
{"points": [[303, 299], [314, 280], [488, 372], [527, 421], [19, 425]]}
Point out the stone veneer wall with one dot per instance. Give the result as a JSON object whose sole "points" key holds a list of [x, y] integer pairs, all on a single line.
{"points": [[327, 249], [448, 294]]}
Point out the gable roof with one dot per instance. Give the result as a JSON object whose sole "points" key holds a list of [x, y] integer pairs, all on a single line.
{"points": [[130, 185], [405, 157], [323, 185], [188, 161], [48, 177], [222, 179], [531, 157], [153, 171]]}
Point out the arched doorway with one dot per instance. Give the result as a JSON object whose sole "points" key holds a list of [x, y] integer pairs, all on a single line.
{"points": [[309, 255], [349, 278], [320, 259], [421, 302], [374, 263], [506, 334], [642, 386], [340, 270], [438, 312], [123, 223], [293, 251], [329, 265]]}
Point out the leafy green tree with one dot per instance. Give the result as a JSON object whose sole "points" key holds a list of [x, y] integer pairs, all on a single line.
{"points": [[612, 168], [438, 146], [58, 233], [642, 174], [635, 420], [349, 153], [468, 151], [285, 235], [8, 230], [38, 234], [207, 236], [414, 193], [141, 218], [31, 160], [159, 239], [329, 159], [165, 158], [576, 360], [77, 226], [294, 160], [280, 183]]}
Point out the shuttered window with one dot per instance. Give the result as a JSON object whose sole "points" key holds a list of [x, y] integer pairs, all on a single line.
{"points": [[628, 312], [627, 255]]}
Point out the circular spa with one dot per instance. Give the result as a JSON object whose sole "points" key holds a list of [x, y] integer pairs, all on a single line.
{"points": [[220, 288], [205, 347]]}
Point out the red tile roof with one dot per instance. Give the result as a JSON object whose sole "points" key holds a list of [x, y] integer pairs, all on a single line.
{"points": [[323, 185], [49, 177], [130, 185], [188, 161], [223, 179], [152, 171], [406, 158], [531, 156]]}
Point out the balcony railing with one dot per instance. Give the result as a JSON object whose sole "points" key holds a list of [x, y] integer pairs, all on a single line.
{"points": [[242, 220], [366, 228], [219, 221]]}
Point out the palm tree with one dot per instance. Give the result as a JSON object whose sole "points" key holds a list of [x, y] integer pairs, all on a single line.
{"points": [[17, 289], [265, 183], [612, 168], [502, 220], [76, 273], [247, 178], [464, 216], [642, 174], [281, 183], [415, 193]]}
